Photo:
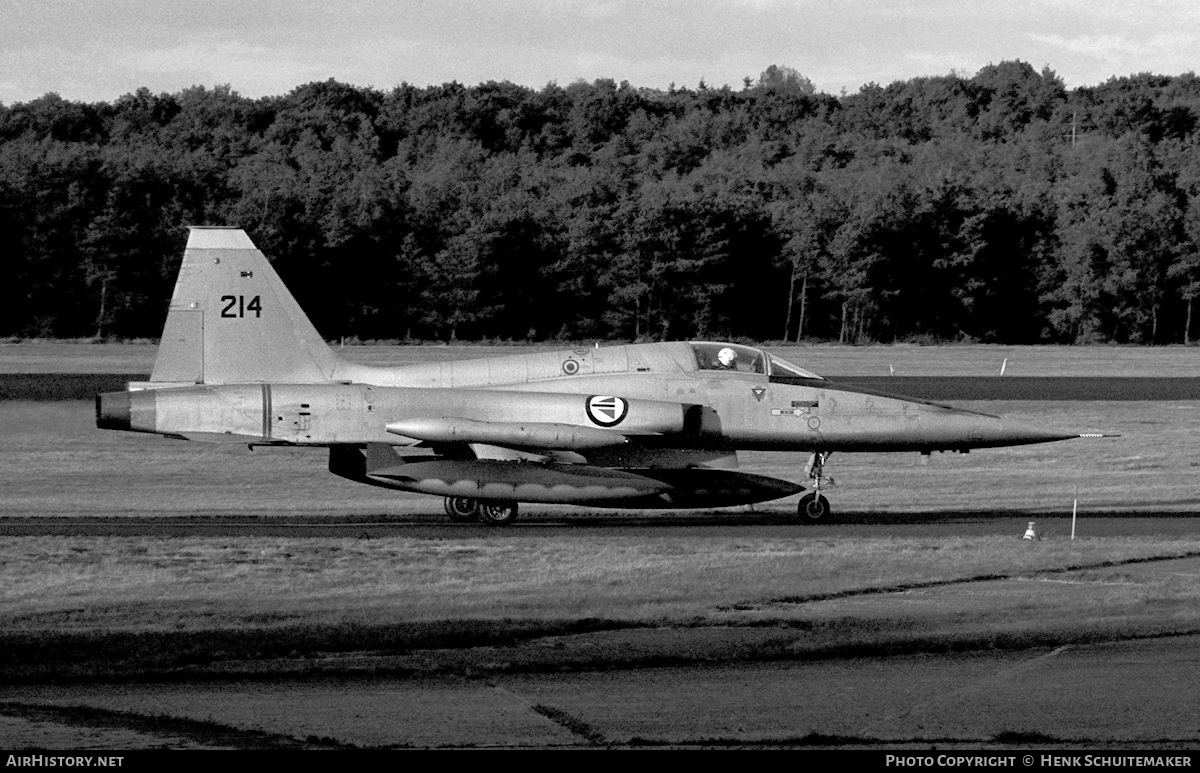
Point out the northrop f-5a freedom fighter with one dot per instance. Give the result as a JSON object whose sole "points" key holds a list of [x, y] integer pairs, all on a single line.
{"points": [[639, 426]]}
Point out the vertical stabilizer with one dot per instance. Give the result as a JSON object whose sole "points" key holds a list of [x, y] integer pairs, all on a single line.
{"points": [[232, 320]]}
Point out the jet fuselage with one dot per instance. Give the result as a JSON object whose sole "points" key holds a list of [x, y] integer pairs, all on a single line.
{"points": [[639, 425], [720, 411]]}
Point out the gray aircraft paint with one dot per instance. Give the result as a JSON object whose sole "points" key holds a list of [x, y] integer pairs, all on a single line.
{"points": [[643, 425]]}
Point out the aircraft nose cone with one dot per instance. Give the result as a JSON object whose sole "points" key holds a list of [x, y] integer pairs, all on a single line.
{"points": [[1019, 433], [959, 428]]}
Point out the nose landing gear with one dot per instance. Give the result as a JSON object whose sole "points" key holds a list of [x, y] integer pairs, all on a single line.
{"points": [[814, 507]]}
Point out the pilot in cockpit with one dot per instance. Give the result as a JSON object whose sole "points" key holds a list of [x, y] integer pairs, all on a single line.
{"points": [[727, 359]]}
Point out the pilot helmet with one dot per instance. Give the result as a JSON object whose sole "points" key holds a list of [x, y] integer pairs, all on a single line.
{"points": [[727, 357]]}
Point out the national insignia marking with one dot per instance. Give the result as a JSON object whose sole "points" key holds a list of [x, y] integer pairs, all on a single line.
{"points": [[570, 367], [606, 411]]}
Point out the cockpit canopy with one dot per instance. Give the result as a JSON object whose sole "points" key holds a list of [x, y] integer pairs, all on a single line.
{"points": [[744, 359]]}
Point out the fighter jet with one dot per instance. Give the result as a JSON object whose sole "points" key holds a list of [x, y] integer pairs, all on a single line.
{"points": [[653, 425]]}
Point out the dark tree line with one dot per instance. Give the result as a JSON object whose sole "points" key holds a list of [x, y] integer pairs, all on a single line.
{"points": [[998, 208]]}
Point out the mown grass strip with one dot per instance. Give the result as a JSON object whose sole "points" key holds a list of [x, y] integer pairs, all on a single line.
{"points": [[989, 577], [33, 656], [169, 728], [571, 723]]}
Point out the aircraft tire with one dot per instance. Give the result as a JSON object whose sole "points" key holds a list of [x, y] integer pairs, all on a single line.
{"points": [[462, 509], [814, 508], [497, 513]]}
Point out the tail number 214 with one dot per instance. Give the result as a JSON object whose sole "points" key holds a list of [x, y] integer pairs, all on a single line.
{"points": [[237, 306]]}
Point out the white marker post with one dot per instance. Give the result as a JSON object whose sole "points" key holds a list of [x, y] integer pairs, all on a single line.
{"points": [[1074, 511]]}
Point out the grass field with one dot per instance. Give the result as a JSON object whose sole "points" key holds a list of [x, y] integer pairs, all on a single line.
{"points": [[73, 584], [131, 604], [154, 602]]}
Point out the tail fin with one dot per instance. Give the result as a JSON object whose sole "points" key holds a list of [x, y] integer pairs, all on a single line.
{"points": [[232, 320]]}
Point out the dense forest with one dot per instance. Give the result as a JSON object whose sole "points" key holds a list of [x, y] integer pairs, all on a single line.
{"points": [[1001, 207]]}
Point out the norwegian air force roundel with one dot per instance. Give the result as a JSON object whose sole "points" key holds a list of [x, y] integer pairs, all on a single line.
{"points": [[607, 411]]}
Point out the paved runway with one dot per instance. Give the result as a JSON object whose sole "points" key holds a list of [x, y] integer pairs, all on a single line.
{"points": [[779, 522]]}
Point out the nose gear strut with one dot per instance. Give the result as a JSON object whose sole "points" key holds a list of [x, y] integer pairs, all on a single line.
{"points": [[814, 507]]}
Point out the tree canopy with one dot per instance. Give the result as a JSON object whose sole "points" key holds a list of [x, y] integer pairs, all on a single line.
{"points": [[1001, 207]]}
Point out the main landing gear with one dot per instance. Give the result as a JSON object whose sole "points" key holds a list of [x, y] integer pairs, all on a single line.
{"points": [[461, 509], [814, 507], [465, 509]]}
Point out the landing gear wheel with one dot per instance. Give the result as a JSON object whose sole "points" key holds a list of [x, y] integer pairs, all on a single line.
{"points": [[813, 508], [462, 509], [497, 513]]}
